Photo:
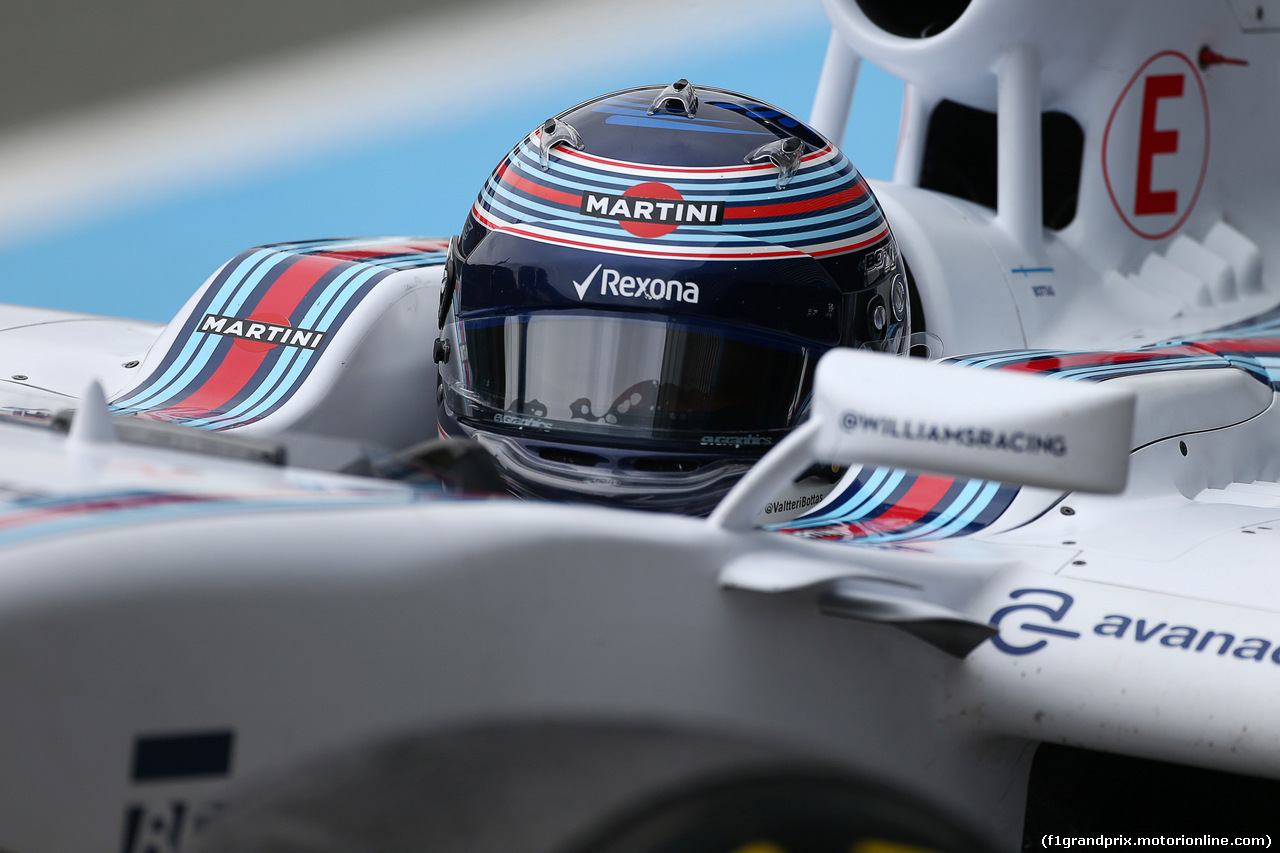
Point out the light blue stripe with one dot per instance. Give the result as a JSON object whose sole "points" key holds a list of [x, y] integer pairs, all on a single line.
{"points": [[971, 512], [337, 295], [835, 184], [338, 289], [235, 298], [946, 518], [528, 159], [1083, 373], [1171, 362], [804, 229], [861, 502], [437, 259], [588, 226], [811, 179], [205, 421], [266, 389], [290, 364], [140, 396], [1270, 362], [909, 532], [866, 487], [987, 360], [796, 233], [198, 349]]}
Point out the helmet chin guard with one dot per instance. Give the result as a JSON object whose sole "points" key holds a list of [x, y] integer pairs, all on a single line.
{"points": [[635, 305]]}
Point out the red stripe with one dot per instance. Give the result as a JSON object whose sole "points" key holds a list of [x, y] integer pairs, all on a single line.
{"points": [[1038, 365], [1263, 345], [514, 179], [923, 497], [236, 368], [94, 505], [843, 197], [239, 364], [293, 284]]}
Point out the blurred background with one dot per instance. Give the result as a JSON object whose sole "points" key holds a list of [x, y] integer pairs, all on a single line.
{"points": [[143, 143]]}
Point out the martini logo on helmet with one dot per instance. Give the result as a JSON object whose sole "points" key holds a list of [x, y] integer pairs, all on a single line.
{"points": [[651, 209], [614, 283]]}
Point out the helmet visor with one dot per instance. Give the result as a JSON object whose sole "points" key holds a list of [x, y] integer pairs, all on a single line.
{"points": [[627, 379]]}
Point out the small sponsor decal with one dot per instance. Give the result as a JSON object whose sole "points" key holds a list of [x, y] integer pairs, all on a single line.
{"points": [[261, 331], [1015, 441], [736, 441], [793, 504], [168, 757], [615, 283], [651, 209], [164, 821], [520, 421]]}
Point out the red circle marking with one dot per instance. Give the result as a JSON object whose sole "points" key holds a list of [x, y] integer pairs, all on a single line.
{"points": [[1204, 164], [260, 346], [651, 229]]}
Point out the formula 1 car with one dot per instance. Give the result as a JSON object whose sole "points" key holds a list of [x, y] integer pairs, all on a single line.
{"points": [[247, 604]]}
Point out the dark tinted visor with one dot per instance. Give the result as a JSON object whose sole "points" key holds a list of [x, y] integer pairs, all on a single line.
{"points": [[627, 379]]}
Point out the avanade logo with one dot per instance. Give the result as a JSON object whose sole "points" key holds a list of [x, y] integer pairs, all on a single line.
{"points": [[1036, 607], [614, 283]]}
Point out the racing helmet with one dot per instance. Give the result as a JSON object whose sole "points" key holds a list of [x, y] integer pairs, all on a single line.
{"points": [[635, 305]]}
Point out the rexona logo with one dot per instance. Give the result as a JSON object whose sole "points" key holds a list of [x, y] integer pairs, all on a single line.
{"points": [[614, 283], [651, 209], [261, 332], [1015, 441], [1043, 609]]}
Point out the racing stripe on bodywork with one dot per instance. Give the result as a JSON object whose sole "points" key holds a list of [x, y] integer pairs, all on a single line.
{"points": [[886, 505], [889, 505], [215, 377], [37, 517], [1097, 366]]}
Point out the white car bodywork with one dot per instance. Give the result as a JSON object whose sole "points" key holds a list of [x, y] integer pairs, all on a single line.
{"points": [[253, 618]]}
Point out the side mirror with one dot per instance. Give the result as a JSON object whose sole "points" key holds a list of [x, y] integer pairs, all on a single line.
{"points": [[1016, 428]]}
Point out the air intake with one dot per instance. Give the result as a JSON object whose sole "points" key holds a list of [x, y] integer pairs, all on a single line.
{"points": [[913, 19]]}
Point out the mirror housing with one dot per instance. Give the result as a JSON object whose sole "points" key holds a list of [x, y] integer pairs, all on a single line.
{"points": [[936, 417]]}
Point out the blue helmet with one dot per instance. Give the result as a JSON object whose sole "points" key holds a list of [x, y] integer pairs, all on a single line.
{"points": [[634, 308]]}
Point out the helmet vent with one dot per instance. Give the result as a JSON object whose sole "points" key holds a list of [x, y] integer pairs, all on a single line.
{"points": [[664, 464], [786, 154], [679, 96], [557, 133], [569, 457]]}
